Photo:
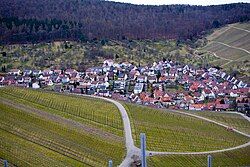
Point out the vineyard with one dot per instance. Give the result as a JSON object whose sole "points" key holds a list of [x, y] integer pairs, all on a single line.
{"points": [[54, 129], [232, 120], [167, 131], [238, 157], [49, 143], [95, 113]]}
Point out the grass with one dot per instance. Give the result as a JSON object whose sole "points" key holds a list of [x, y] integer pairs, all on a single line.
{"points": [[95, 113], [29, 140], [234, 158], [167, 131], [233, 120]]}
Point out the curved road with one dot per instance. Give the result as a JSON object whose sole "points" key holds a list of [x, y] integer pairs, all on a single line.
{"points": [[133, 150]]}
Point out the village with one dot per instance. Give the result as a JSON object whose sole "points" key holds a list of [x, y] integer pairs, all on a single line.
{"points": [[166, 84]]}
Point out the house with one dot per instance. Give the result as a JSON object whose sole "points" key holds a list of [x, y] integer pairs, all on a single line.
{"points": [[208, 93], [233, 93], [221, 107], [102, 78], [133, 74], [57, 72], [122, 76], [104, 93], [138, 88], [167, 100], [94, 70], [65, 79], [47, 72], [198, 96], [20, 80], [37, 72], [27, 79], [35, 85], [71, 72], [152, 79], [119, 86], [108, 62], [195, 86], [196, 107], [158, 94], [14, 72], [1, 80], [27, 72], [10, 80], [142, 79]]}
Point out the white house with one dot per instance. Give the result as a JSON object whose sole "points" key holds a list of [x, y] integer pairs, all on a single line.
{"points": [[35, 86], [14, 72]]}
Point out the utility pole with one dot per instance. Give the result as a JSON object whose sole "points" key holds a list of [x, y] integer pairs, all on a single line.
{"points": [[143, 150], [110, 163], [5, 163], [209, 161]]}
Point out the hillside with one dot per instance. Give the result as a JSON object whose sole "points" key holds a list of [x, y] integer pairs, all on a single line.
{"points": [[66, 130], [48, 129], [50, 20], [168, 131], [84, 55], [231, 44], [228, 159]]}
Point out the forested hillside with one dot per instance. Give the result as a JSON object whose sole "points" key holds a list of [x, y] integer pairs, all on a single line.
{"points": [[82, 20]]}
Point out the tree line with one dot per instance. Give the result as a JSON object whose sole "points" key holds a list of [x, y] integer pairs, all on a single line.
{"points": [[83, 20]]}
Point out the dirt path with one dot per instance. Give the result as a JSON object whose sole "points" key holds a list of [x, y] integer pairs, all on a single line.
{"points": [[240, 29], [69, 123], [232, 46]]}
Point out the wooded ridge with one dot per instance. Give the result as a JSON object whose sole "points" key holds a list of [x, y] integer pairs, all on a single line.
{"points": [[82, 20]]}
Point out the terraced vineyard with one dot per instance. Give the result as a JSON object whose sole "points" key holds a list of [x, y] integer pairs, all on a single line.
{"points": [[225, 52], [167, 131], [232, 120], [231, 45], [29, 138], [235, 158]]}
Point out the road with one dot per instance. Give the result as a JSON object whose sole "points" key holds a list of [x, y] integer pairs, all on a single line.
{"points": [[130, 147], [133, 150]]}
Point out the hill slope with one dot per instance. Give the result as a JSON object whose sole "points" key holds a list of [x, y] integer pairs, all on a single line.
{"points": [[231, 44], [49, 20]]}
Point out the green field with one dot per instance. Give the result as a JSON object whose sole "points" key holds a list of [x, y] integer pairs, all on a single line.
{"points": [[32, 139], [234, 158], [167, 131]]}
